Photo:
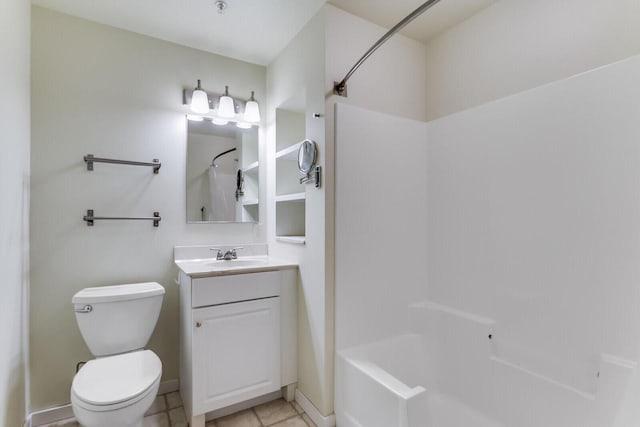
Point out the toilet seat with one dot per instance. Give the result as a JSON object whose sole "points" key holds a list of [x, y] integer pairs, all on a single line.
{"points": [[113, 382]]}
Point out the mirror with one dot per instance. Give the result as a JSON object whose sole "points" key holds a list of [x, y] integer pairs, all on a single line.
{"points": [[222, 173], [307, 154]]}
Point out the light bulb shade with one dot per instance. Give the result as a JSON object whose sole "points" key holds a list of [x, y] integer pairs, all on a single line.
{"points": [[243, 125], [194, 118], [252, 112], [199, 102], [226, 108]]}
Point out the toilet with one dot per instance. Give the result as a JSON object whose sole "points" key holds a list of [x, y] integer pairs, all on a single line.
{"points": [[121, 383]]}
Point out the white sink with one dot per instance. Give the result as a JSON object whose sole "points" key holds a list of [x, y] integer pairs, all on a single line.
{"points": [[240, 262], [209, 265], [200, 261]]}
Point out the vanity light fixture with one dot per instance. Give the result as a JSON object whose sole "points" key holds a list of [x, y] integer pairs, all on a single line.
{"points": [[220, 109], [252, 110], [218, 121], [199, 100], [226, 106]]}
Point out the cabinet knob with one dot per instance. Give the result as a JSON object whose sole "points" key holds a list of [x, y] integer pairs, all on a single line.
{"points": [[198, 324]]}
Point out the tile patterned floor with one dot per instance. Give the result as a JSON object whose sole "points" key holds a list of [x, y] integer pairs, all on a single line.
{"points": [[167, 411]]}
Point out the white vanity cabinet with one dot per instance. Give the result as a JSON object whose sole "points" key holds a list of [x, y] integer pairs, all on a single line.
{"points": [[238, 338], [236, 352]]}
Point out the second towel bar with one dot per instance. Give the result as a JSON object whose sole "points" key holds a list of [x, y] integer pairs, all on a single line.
{"points": [[89, 218]]}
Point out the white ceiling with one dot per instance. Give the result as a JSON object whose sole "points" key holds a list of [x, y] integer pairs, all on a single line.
{"points": [[250, 30], [254, 30], [434, 21]]}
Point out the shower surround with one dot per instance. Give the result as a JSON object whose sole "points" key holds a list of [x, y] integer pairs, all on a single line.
{"points": [[500, 285]]}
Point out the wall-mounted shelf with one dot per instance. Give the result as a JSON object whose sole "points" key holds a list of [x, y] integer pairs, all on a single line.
{"points": [[290, 197], [298, 240], [250, 202], [289, 153], [252, 168], [294, 197], [89, 159]]}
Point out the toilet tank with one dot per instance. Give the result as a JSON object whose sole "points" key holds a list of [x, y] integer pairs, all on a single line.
{"points": [[118, 319]]}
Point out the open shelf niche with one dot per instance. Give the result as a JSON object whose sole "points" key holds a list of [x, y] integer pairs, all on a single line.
{"points": [[290, 194], [249, 206]]}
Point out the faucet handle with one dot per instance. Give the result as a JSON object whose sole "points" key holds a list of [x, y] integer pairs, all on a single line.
{"points": [[233, 252], [219, 255]]}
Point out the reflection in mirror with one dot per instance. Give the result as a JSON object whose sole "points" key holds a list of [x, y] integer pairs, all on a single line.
{"points": [[222, 173]]}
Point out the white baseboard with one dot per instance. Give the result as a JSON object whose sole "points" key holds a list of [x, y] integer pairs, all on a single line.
{"points": [[243, 405], [169, 386], [52, 415], [313, 413]]}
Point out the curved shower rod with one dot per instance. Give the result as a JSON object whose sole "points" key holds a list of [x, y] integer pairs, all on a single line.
{"points": [[213, 162], [340, 88]]}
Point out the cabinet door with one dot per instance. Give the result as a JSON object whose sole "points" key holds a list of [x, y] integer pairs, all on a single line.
{"points": [[236, 353]]}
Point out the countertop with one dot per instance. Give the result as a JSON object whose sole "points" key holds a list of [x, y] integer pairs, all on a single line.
{"points": [[198, 268]]}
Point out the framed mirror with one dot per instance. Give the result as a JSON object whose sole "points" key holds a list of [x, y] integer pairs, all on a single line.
{"points": [[222, 173]]}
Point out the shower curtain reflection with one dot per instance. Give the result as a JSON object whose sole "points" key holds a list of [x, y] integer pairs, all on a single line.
{"points": [[221, 195]]}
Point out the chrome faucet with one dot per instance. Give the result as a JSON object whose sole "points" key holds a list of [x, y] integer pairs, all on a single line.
{"points": [[229, 255]]}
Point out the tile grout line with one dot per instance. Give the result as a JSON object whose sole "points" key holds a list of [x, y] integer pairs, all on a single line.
{"points": [[283, 420], [253, 409], [290, 418]]}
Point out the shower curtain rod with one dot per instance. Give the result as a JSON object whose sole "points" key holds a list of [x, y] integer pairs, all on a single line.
{"points": [[213, 162], [340, 88]]}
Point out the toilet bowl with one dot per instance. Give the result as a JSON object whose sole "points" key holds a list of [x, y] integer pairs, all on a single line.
{"points": [[116, 390], [120, 385]]}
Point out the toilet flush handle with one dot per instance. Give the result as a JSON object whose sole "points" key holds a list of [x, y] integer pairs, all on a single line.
{"points": [[86, 309]]}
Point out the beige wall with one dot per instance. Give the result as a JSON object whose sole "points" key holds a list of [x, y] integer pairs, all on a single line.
{"points": [[116, 94], [299, 69], [14, 193], [515, 45], [390, 81]]}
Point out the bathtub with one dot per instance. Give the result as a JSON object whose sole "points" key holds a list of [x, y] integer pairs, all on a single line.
{"points": [[386, 384]]}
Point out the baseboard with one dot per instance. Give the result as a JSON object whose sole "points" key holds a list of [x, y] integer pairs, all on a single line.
{"points": [[169, 386], [243, 405], [313, 413], [52, 415]]}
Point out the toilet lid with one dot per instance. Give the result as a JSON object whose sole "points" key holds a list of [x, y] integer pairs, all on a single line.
{"points": [[115, 379]]}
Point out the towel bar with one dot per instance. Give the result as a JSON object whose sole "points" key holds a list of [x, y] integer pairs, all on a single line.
{"points": [[89, 159], [89, 218]]}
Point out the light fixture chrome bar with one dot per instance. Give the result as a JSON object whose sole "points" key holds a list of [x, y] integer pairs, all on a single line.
{"points": [[90, 160], [90, 218], [340, 88]]}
